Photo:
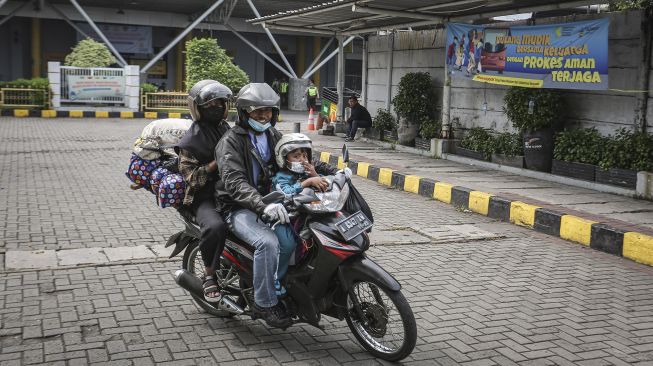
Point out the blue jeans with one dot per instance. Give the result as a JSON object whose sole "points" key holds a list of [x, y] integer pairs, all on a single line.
{"points": [[268, 245]]}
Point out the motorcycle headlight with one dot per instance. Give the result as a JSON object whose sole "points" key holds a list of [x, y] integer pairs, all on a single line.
{"points": [[331, 201]]}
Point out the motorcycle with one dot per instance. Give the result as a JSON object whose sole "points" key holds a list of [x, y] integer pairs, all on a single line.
{"points": [[333, 278]]}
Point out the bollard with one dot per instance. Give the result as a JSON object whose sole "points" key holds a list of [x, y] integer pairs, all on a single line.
{"points": [[297, 127]]}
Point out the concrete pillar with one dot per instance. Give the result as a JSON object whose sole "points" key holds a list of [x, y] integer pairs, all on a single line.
{"points": [[364, 76], [317, 44], [296, 97], [341, 78], [36, 47], [388, 98], [54, 76], [300, 64], [132, 87]]}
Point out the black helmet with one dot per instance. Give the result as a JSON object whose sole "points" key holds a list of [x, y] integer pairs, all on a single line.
{"points": [[204, 92], [256, 96]]}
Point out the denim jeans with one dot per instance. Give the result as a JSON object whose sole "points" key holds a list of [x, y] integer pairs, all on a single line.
{"points": [[247, 227]]}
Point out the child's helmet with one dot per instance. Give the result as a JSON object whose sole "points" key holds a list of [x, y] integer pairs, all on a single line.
{"points": [[290, 142]]}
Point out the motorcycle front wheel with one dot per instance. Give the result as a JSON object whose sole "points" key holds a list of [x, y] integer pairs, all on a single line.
{"points": [[227, 278], [387, 328]]}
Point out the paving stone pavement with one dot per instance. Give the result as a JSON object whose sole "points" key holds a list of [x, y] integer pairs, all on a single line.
{"points": [[510, 296]]}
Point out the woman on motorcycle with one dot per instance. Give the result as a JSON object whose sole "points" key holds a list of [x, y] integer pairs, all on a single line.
{"points": [[207, 101]]}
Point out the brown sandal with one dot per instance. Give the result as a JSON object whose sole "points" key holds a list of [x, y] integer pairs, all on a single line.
{"points": [[211, 287]]}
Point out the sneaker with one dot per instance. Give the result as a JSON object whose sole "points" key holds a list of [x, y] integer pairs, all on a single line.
{"points": [[275, 316], [348, 139]]}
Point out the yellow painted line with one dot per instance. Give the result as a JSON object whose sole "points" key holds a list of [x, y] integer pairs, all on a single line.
{"points": [[638, 247], [324, 156], [385, 176], [101, 114], [341, 163], [151, 115], [174, 115], [362, 169], [76, 114], [126, 114], [48, 113], [522, 213], [442, 192], [479, 202], [411, 183], [576, 229], [21, 113]]}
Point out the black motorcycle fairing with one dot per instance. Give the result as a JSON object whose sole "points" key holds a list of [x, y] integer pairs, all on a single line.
{"points": [[361, 268], [181, 241]]}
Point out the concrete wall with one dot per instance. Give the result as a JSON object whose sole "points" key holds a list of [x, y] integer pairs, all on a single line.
{"points": [[605, 110]]}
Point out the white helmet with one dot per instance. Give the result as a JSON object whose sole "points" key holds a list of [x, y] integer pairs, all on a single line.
{"points": [[290, 142]]}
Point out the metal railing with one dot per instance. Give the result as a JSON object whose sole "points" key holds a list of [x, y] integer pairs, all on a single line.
{"points": [[112, 74], [167, 100], [24, 98]]}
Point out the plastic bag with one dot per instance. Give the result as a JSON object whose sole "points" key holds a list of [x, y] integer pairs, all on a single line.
{"points": [[171, 191], [139, 170], [356, 202]]}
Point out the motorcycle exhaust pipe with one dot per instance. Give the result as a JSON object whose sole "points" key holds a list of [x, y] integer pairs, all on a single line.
{"points": [[192, 284]]}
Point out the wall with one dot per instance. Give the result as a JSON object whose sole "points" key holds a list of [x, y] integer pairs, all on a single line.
{"points": [[605, 110]]}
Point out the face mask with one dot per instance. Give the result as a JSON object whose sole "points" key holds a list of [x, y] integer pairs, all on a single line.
{"points": [[257, 126], [296, 167], [212, 114]]}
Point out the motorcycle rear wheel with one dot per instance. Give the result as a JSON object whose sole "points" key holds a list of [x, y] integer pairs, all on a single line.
{"points": [[227, 276], [385, 311]]}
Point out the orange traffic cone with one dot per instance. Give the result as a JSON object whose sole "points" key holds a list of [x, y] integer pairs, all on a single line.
{"points": [[311, 120]]}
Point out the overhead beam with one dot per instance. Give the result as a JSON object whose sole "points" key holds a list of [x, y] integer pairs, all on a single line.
{"points": [[13, 12], [65, 19], [181, 35], [304, 12], [317, 59], [331, 55], [250, 44], [3, 2], [121, 61], [393, 13], [298, 29], [274, 41]]}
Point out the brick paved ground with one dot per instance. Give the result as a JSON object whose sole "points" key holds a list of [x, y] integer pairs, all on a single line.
{"points": [[523, 299]]}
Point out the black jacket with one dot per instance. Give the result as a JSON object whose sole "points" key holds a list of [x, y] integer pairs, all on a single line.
{"points": [[236, 185], [359, 113]]}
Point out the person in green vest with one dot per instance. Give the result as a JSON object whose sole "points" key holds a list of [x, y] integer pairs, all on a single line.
{"points": [[312, 94], [283, 92]]}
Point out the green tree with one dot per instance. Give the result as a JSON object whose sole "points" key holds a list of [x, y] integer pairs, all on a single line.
{"points": [[89, 53], [206, 60], [630, 4]]}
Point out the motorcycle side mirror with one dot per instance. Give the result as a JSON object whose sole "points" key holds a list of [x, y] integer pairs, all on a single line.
{"points": [[307, 195], [273, 197], [345, 153]]}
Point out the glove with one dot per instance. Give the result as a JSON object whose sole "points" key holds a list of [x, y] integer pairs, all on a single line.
{"points": [[276, 212], [347, 172]]}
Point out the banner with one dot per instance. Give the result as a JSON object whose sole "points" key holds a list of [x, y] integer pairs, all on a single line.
{"points": [[88, 87], [125, 38], [564, 56]]}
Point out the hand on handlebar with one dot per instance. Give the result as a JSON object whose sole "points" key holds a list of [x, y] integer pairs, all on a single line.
{"points": [[347, 172], [276, 212]]}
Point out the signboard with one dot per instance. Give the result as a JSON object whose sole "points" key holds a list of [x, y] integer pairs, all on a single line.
{"points": [[564, 56], [125, 38], [87, 87]]}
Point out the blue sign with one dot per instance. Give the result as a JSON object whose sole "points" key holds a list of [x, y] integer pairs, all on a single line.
{"points": [[563, 56]]}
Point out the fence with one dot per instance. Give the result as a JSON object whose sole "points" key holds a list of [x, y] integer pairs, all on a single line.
{"points": [[164, 101], [24, 98], [108, 85]]}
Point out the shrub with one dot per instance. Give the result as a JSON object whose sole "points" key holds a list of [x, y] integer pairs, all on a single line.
{"points": [[479, 139], [416, 96], [384, 121], [510, 144], [628, 150], [36, 83], [149, 88], [582, 145], [546, 108], [429, 128], [89, 53], [206, 60]]}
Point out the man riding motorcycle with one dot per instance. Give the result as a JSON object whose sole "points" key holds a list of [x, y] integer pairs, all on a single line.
{"points": [[246, 164]]}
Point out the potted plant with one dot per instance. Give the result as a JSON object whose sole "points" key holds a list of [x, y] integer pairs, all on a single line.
{"points": [[535, 113], [624, 155], [477, 144], [508, 149], [577, 152], [429, 129], [413, 102], [386, 124]]}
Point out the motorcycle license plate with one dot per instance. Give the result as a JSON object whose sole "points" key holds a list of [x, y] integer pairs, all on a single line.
{"points": [[353, 225]]}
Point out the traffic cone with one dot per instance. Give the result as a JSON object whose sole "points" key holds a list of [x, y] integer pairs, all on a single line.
{"points": [[311, 120]]}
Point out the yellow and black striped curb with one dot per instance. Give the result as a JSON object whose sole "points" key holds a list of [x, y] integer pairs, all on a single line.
{"points": [[89, 114], [621, 242]]}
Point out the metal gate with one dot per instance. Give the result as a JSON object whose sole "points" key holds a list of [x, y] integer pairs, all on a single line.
{"points": [[104, 85]]}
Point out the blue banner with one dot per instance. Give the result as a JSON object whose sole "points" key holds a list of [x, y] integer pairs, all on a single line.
{"points": [[563, 56]]}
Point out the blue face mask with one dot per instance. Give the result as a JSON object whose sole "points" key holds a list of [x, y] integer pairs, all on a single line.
{"points": [[257, 126]]}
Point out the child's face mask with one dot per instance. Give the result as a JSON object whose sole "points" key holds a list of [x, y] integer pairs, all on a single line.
{"points": [[296, 167]]}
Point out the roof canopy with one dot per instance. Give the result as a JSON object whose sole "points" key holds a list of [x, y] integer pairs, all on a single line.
{"points": [[353, 17]]}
